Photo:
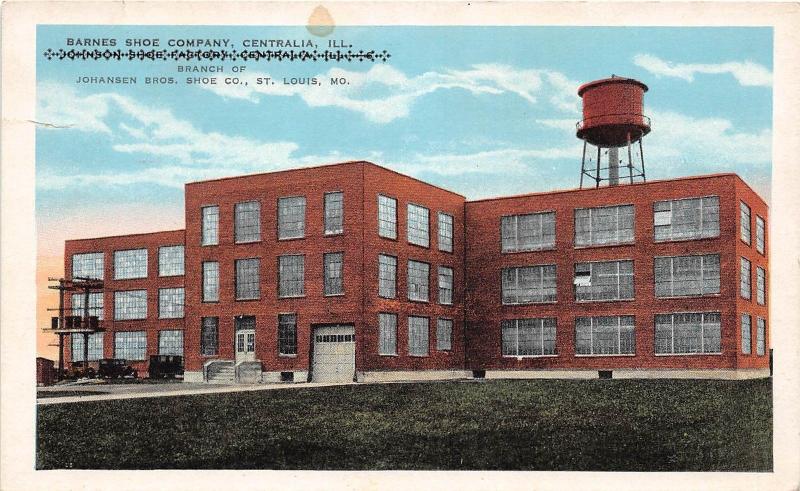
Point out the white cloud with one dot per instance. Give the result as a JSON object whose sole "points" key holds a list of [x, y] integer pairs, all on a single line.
{"points": [[747, 73], [383, 94]]}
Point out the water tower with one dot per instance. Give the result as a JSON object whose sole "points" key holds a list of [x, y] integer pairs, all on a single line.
{"points": [[613, 119]]}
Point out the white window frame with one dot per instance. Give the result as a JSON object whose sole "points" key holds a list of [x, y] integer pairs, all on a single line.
{"points": [[247, 222], [127, 301], [444, 334], [205, 329], [445, 290], [384, 280], [699, 234], [287, 334], [541, 288], [240, 276], [88, 263], [171, 263], [284, 282], [761, 235], [387, 225], [209, 225], [415, 285], [387, 334], [287, 206], [595, 320], [445, 232], [672, 279], [418, 336], [333, 280], [703, 322], [130, 340], [746, 334], [761, 286], [170, 342], [513, 326], [96, 301], [96, 346], [129, 262], [210, 278], [618, 240], [761, 336], [333, 222], [171, 303], [745, 231], [618, 276], [415, 217], [745, 280], [514, 241]]}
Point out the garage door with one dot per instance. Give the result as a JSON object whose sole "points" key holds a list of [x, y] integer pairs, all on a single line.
{"points": [[334, 354]]}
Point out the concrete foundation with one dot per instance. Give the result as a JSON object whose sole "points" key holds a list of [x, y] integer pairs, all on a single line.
{"points": [[721, 374], [411, 376]]}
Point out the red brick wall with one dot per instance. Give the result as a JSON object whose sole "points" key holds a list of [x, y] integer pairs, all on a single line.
{"points": [[152, 283], [744, 306], [405, 190], [314, 308], [485, 262]]}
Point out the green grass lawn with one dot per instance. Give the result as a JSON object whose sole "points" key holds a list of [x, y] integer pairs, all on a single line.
{"points": [[622, 425]]}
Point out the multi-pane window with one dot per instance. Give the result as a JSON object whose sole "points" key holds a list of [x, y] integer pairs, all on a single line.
{"points": [[444, 334], [248, 273], [533, 232], [445, 285], [334, 266], [761, 336], [684, 219], [387, 217], [334, 213], [209, 336], [129, 305], [292, 217], [387, 334], [745, 287], [529, 337], [89, 265], [606, 225], [170, 342], [170, 303], [287, 334], [607, 335], [530, 284], [247, 222], [130, 264], [291, 276], [418, 280], [609, 280], [210, 225], [744, 221], [418, 225], [95, 304], [170, 260], [417, 336], [683, 276], [210, 281], [445, 232], [95, 346], [130, 345], [761, 286], [760, 233], [687, 333], [387, 276], [746, 339]]}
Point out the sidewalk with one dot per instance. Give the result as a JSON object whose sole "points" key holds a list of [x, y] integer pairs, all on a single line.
{"points": [[108, 392]]}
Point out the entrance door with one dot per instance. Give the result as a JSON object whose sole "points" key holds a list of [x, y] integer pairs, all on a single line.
{"points": [[245, 345], [334, 354], [245, 342]]}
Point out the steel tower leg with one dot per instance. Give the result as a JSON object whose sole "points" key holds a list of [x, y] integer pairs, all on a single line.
{"points": [[583, 163], [641, 155], [597, 175], [630, 160]]}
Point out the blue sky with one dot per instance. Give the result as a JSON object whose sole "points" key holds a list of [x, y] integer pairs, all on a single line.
{"points": [[483, 111]]}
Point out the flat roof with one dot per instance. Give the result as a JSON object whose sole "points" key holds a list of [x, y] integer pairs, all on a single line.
{"points": [[128, 235], [603, 188]]}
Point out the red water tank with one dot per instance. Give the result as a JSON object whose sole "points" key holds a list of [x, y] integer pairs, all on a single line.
{"points": [[613, 112]]}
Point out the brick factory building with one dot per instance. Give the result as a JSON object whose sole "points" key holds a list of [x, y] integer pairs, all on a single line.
{"points": [[355, 272]]}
